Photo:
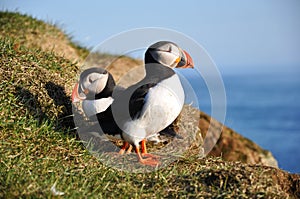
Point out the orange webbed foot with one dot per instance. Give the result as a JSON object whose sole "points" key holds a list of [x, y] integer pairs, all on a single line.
{"points": [[149, 162], [151, 156]]}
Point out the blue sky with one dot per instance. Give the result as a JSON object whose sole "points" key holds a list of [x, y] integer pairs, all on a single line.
{"points": [[241, 36]]}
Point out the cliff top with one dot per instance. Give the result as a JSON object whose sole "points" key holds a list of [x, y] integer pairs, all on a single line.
{"points": [[41, 155]]}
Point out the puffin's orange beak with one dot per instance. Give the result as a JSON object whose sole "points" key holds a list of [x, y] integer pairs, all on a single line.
{"points": [[189, 61], [75, 95]]}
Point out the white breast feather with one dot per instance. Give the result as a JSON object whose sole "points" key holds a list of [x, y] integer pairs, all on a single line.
{"points": [[92, 107], [164, 103]]}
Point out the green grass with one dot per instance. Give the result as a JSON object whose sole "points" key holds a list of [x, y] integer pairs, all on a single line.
{"points": [[32, 33], [38, 147]]}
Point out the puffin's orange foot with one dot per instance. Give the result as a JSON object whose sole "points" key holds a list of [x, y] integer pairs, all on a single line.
{"points": [[149, 162], [129, 149], [148, 155], [121, 152], [126, 146]]}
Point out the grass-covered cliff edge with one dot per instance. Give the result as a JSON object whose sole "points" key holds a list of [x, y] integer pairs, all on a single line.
{"points": [[38, 64]]}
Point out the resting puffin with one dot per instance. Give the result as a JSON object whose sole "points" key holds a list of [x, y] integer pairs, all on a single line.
{"points": [[146, 108], [94, 89]]}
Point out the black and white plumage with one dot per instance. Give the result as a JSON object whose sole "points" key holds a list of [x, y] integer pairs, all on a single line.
{"points": [[94, 89], [149, 106]]}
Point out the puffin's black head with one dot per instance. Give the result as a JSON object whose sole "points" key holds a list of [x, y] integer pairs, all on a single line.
{"points": [[92, 83], [168, 54]]}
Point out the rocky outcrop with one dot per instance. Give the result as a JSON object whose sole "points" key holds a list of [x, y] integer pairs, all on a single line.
{"points": [[232, 146]]}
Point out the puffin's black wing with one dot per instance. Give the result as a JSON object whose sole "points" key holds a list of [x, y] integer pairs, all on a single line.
{"points": [[137, 100]]}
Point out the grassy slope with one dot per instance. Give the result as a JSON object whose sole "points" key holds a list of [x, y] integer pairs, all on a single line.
{"points": [[38, 149], [37, 34]]}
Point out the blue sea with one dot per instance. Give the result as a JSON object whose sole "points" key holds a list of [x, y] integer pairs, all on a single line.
{"points": [[265, 109]]}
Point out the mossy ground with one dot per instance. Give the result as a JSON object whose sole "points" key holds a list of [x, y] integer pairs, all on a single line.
{"points": [[39, 148]]}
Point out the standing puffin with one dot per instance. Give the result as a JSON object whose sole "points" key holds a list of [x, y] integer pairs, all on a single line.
{"points": [[146, 108]]}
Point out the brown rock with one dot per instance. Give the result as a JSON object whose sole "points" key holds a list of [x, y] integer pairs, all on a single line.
{"points": [[232, 146]]}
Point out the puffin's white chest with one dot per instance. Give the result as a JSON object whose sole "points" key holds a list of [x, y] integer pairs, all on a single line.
{"points": [[92, 107], [164, 103]]}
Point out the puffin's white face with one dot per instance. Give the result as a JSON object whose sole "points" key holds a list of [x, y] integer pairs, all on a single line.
{"points": [[94, 83], [90, 84], [166, 54], [169, 54]]}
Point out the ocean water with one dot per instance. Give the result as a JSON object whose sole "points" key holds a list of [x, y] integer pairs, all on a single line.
{"points": [[265, 109]]}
